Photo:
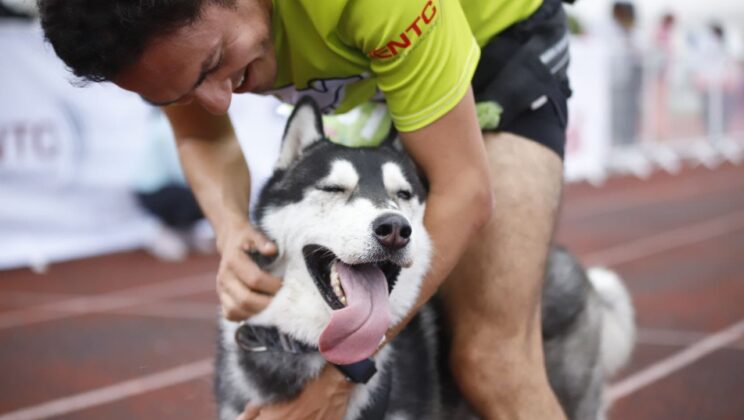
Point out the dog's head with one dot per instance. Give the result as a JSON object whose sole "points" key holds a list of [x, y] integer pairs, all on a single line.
{"points": [[349, 226]]}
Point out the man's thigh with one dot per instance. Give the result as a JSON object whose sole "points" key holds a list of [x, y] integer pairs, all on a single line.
{"points": [[493, 295]]}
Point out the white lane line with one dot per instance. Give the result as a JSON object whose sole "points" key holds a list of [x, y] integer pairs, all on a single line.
{"points": [[107, 302], [23, 298], [676, 338], [665, 241], [159, 309], [176, 310], [677, 361], [114, 392]]}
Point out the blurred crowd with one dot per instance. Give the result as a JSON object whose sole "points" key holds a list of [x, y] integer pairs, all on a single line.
{"points": [[673, 85]]}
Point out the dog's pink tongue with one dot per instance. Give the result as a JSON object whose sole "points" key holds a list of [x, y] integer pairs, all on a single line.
{"points": [[355, 331]]}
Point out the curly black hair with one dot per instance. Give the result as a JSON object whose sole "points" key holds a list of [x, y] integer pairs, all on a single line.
{"points": [[97, 39]]}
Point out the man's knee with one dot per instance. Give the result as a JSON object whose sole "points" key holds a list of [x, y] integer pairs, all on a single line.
{"points": [[512, 249], [502, 346], [524, 173], [505, 373]]}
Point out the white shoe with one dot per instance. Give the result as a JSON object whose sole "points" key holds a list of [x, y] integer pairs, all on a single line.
{"points": [[201, 237], [167, 245]]}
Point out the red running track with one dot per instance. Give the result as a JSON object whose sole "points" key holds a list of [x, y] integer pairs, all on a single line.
{"points": [[125, 336]]}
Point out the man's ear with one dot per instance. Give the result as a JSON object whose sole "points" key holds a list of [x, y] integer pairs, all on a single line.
{"points": [[304, 127]]}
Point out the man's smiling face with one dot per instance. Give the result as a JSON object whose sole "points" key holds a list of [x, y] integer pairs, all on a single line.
{"points": [[226, 50]]}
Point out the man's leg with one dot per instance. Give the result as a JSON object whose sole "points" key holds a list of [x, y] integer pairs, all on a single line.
{"points": [[492, 298]]}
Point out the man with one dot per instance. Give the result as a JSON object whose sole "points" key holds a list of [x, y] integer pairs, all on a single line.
{"points": [[421, 56]]}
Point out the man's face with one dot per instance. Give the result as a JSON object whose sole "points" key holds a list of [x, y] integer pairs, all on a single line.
{"points": [[226, 50]]}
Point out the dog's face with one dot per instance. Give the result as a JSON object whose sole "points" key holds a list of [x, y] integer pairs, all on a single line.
{"points": [[349, 226]]}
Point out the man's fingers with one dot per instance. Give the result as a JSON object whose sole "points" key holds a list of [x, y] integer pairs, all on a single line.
{"points": [[250, 413], [254, 278], [231, 310], [267, 248], [258, 242], [239, 302], [244, 288]]}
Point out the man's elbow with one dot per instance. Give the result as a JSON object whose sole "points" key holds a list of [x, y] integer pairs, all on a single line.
{"points": [[482, 204]]}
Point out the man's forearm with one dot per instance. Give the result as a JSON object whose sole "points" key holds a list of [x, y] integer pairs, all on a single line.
{"points": [[450, 152], [451, 223], [213, 163], [220, 179]]}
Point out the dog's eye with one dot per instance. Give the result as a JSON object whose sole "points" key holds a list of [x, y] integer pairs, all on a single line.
{"points": [[331, 188], [404, 195]]}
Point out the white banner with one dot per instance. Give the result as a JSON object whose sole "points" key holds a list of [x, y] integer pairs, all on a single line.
{"points": [[588, 136], [66, 158], [69, 155]]}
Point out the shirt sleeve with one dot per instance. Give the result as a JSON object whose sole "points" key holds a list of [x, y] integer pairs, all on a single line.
{"points": [[422, 53]]}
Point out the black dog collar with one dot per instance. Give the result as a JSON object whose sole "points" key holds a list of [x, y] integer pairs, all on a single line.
{"points": [[257, 338], [360, 372]]}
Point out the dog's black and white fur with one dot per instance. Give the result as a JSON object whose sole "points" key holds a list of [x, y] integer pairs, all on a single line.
{"points": [[324, 204]]}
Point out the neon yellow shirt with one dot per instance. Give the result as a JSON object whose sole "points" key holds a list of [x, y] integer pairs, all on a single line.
{"points": [[417, 55]]}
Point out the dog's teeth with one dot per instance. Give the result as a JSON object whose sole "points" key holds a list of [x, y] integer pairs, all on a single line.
{"points": [[339, 292], [334, 275], [336, 284]]}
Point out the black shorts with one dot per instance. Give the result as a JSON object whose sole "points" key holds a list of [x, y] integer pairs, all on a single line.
{"points": [[521, 83]]}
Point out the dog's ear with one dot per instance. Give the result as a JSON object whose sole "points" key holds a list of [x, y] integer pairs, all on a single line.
{"points": [[304, 127], [392, 139]]}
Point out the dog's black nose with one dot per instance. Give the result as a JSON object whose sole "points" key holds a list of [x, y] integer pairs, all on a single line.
{"points": [[392, 231]]}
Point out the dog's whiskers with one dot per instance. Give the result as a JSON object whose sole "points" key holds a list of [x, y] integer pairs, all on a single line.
{"points": [[322, 252]]}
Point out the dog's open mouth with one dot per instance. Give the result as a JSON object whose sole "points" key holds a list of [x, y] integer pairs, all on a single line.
{"points": [[323, 266], [358, 295]]}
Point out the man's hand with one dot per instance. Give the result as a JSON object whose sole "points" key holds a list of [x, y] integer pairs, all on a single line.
{"points": [[243, 288], [324, 398]]}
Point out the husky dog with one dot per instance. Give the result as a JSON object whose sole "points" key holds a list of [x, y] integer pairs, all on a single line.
{"points": [[353, 252]]}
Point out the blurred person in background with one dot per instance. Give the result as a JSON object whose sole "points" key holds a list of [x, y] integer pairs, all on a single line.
{"points": [[715, 78], [22, 9], [626, 74], [664, 51], [162, 191]]}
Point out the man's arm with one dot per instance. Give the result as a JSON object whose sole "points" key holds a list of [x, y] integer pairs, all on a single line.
{"points": [[451, 154], [217, 173]]}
